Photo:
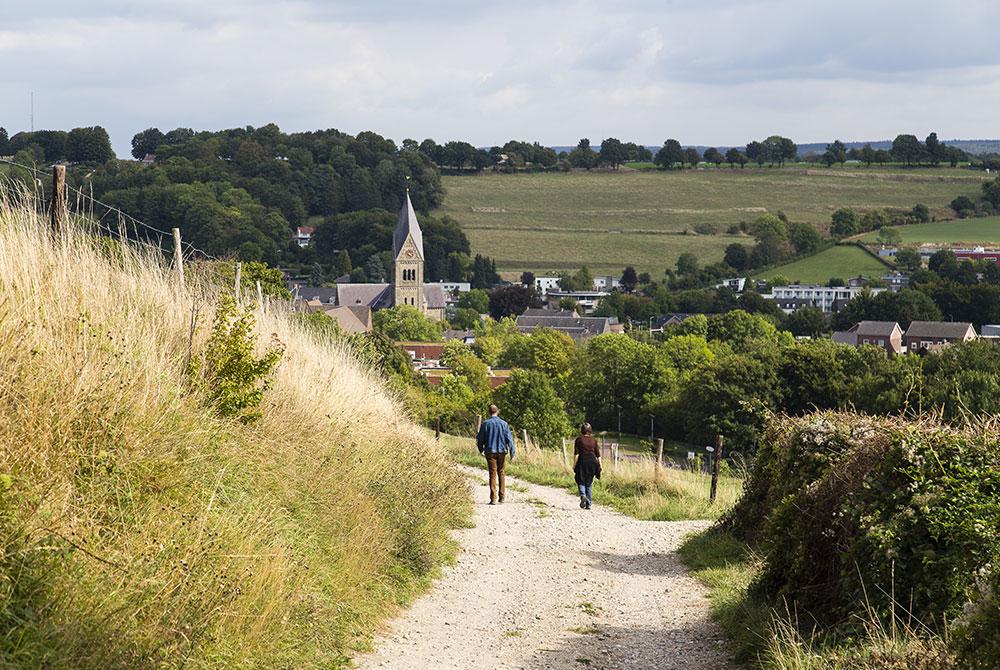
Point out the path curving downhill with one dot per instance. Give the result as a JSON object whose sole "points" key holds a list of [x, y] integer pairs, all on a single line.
{"points": [[541, 584]]}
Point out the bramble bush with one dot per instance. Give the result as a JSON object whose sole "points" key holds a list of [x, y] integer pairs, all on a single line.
{"points": [[857, 515], [230, 373]]}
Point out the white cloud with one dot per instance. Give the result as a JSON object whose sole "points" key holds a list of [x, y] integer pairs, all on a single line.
{"points": [[720, 72]]}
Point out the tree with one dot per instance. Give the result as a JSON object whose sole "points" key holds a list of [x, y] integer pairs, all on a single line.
{"points": [[4, 142], [316, 275], [712, 155], [583, 156], [907, 149], [670, 153], [837, 152], [934, 149], [529, 402], [146, 142], [734, 156], [342, 264], [889, 236], [405, 323], [89, 145], [756, 153], [991, 193], [806, 322], [867, 155], [804, 237], [528, 278], [484, 272], [908, 259], [692, 157], [375, 270], [510, 300], [629, 279], [612, 153], [687, 264], [964, 206], [921, 213], [844, 222], [476, 299], [737, 256], [464, 319]]}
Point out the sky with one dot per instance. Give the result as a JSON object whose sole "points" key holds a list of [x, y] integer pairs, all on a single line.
{"points": [[710, 72]]}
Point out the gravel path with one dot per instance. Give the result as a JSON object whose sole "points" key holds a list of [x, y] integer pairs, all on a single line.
{"points": [[541, 583]]}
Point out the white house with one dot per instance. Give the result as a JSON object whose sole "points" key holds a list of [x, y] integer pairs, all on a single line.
{"points": [[545, 284], [303, 235], [827, 298], [606, 283]]}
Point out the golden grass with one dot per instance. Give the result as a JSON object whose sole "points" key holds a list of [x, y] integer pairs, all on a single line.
{"points": [[634, 486], [139, 529]]}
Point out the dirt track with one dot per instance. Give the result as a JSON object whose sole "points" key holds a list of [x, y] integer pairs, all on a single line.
{"points": [[541, 583]]}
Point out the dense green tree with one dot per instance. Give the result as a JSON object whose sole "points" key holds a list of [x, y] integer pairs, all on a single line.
{"points": [[404, 323], [908, 259], [756, 152], [844, 222], [714, 156], [146, 142], [907, 149], [316, 275], [476, 299], [375, 270], [889, 236], [511, 300], [612, 153], [583, 156], [737, 256], [629, 279], [89, 145], [734, 156], [804, 238], [807, 321], [671, 152], [692, 157], [529, 402], [465, 318], [687, 264]]}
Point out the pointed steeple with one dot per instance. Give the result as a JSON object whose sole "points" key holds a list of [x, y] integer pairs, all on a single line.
{"points": [[407, 226]]}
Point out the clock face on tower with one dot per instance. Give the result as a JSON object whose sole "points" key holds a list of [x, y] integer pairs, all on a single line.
{"points": [[408, 253]]}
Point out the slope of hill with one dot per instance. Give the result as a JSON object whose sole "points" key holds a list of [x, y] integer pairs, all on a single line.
{"points": [[139, 528]]}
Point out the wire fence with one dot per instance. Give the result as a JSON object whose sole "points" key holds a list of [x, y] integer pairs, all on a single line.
{"points": [[125, 227]]}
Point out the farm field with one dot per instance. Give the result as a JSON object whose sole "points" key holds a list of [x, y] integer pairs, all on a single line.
{"points": [[982, 231], [608, 220], [842, 261]]}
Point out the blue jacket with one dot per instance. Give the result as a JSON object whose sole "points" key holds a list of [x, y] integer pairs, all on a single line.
{"points": [[495, 437]]}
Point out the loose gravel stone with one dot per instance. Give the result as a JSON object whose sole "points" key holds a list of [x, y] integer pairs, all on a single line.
{"points": [[571, 588]]}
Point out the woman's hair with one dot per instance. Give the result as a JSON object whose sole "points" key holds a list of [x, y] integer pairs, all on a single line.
{"points": [[585, 428]]}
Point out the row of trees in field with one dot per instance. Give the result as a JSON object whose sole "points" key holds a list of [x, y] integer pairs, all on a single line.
{"points": [[90, 145]]}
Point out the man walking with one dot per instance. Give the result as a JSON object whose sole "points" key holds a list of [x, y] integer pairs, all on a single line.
{"points": [[495, 441]]}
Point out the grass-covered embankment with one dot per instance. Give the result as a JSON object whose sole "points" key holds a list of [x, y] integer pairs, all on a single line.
{"points": [[140, 528], [632, 487], [875, 544]]}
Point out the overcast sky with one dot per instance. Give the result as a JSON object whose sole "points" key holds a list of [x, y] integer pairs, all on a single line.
{"points": [[703, 71]]}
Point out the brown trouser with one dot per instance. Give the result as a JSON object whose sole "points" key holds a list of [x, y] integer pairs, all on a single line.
{"points": [[496, 463]]}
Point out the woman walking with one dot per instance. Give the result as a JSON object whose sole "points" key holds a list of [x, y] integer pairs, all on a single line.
{"points": [[586, 464]]}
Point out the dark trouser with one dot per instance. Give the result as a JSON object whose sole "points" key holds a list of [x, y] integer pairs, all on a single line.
{"points": [[496, 463]]}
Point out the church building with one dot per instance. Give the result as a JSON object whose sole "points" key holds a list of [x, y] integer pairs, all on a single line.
{"points": [[354, 302]]}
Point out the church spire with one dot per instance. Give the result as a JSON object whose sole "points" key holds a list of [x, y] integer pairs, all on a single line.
{"points": [[407, 227]]}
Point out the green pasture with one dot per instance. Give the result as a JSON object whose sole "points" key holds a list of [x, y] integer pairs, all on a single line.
{"points": [[841, 261], [982, 231], [611, 219]]}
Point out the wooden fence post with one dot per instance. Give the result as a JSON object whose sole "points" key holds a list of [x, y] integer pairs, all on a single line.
{"points": [[178, 258], [716, 460], [565, 457], [58, 213], [524, 432], [260, 296], [437, 429], [659, 458], [236, 286]]}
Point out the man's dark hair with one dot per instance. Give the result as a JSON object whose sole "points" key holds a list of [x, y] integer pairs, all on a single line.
{"points": [[494, 410]]}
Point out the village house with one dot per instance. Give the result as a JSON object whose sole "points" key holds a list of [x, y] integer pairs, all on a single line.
{"points": [[930, 335], [576, 326], [587, 300], [827, 298], [885, 334], [303, 235]]}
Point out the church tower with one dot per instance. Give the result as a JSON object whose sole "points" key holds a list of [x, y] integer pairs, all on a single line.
{"points": [[408, 251]]}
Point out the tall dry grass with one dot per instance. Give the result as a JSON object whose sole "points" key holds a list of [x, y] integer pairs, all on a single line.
{"points": [[139, 529]]}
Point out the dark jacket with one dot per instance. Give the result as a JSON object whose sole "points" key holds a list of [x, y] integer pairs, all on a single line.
{"points": [[588, 465], [495, 437]]}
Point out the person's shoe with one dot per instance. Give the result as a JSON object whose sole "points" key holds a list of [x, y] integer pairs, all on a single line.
{"points": [[589, 504], [493, 502], [500, 500], [583, 503]]}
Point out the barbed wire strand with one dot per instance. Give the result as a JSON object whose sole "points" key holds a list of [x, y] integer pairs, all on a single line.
{"points": [[124, 217]]}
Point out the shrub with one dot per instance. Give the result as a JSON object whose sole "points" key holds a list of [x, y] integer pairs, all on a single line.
{"points": [[231, 375], [853, 512]]}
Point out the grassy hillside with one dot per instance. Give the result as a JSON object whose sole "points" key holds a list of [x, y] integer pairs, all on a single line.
{"points": [[140, 529], [842, 261], [608, 220], [982, 231]]}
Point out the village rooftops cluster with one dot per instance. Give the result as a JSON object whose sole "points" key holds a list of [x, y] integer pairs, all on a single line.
{"points": [[921, 336], [568, 322]]}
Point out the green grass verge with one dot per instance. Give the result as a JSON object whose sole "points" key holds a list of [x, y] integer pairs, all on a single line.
{"points": [[840, 261], [631, 489]]}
